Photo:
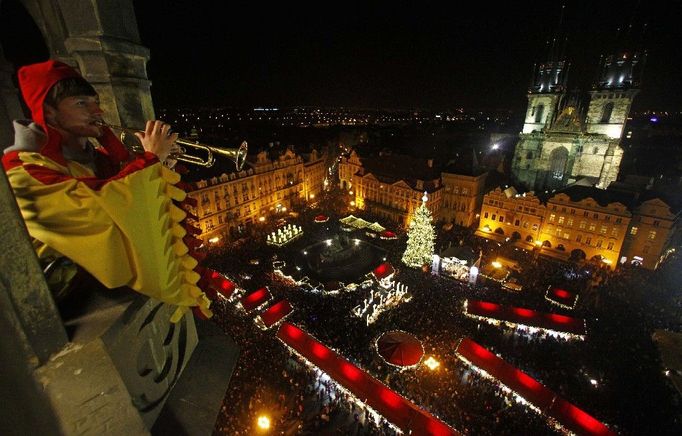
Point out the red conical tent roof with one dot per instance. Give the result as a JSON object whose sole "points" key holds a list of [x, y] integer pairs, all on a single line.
{"points": [[400, 348]]}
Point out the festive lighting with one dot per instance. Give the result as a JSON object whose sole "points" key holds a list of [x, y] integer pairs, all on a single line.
{"points": [[261, 219], [561, 298], [263, 422], [420, 238], [496, 264], [432, 363], [214, 239], [523, 327]]}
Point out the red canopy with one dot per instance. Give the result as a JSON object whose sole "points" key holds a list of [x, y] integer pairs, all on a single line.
{"points": [[568, 415], [387, 234], [321, 218], [561, 297], [400, 348], [276, 312], [255, 299], [382, 271], [527, 317], [395, 408]]}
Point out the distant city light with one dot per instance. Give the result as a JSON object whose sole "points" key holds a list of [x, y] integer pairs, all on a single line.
{"points": [[653, 119], [495, 146]]}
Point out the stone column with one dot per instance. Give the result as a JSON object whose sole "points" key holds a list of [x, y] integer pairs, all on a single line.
{"points": [[105, 43], [10, 108]]}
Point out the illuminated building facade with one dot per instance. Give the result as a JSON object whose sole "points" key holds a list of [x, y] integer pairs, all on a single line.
{"points": [[268, 185], [653, 233], [506, 214], [391, 186], [462, 197], [584, 223]]}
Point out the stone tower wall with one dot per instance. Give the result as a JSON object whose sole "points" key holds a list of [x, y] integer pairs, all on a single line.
{"points": [[622, 101]]}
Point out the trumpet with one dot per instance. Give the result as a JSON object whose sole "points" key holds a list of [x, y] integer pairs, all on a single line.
{"points": [[236, 155]]}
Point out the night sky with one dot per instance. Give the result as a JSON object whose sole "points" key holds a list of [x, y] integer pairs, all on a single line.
{"points": [[476, 55]]}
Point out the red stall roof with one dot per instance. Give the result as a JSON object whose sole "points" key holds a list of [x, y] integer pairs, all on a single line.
{"points": [[276, 312], [561, 297], [383, 270], [395, 408], [221, 284], [527, 317], [255, 299], [542, 398]]}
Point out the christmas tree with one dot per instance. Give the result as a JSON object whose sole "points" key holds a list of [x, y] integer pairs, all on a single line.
{"points": [[420, 238]]}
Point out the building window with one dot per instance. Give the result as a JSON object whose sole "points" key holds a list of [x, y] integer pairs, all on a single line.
{"points": [[582, 224], [592, 227], [516, 223], [586, 214], [561, 220], [599, 242], [551, 218], [652, 235], [614, 232], [656, 223], [494, 216], [603, 230], [485, 215], [569, 223], [619, 220], [559, 231], [572, 211], [610, 246], [633, 231], [588, 240], [535, 227], [578, 238], [501, 219], [595, 216]]}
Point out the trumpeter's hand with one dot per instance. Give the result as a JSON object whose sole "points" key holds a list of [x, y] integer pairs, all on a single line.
{"points": [[157, 138]]}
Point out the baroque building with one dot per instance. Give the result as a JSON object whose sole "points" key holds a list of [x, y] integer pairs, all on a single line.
{"points": [[274, 182], [391, 185], [560, 145], [585, 223]]}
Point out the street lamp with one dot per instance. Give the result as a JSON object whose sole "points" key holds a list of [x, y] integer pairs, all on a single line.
{"points": [[432, 363], [263, 422]]}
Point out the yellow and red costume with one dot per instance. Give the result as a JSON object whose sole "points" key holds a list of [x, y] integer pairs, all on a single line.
{"points": [[126, 229]]}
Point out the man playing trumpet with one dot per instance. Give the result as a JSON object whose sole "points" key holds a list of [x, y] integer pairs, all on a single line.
{"points": [[116, 214]]}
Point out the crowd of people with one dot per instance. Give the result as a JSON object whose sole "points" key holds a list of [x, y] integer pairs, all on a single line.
{"points": [[614, 374]]}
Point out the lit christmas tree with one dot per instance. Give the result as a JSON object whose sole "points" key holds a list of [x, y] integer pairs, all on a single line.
{"points": [[420, 238]]}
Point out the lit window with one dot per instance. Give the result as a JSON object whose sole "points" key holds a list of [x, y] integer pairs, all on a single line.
{"points": [[633, 231], [561, 220], [610, 246], [592, 227], [551, 218], [652, 235], [603, 230]]}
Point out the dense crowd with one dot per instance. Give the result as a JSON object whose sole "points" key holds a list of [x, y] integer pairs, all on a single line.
{"points": [[615, 374]]}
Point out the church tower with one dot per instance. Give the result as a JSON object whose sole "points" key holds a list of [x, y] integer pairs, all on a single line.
{"points": [[547, 88], [613, 92]]}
